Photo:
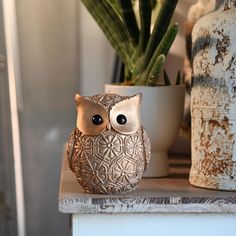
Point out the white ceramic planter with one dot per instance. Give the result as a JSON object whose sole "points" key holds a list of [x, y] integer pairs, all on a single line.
{"points": [[161, 113]]}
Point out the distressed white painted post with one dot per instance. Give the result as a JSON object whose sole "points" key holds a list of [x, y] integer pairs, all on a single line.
{"points": [[214, 99], [154, 224]]}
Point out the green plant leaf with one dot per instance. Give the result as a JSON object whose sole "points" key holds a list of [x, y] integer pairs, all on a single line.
{"points": [[116, 6], [156, 70], [153, 3], [150, 79], [166, 79], [167, 41], [145, 11], [183, 79], [129, 20], [143, 54], [160, 27], [178, 79], [163, 47], [113, 28]]}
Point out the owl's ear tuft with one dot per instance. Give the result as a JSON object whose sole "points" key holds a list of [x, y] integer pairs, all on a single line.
{"points": [[138, 96], [78, 98]]}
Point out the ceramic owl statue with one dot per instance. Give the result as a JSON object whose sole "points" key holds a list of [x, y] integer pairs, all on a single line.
{"points": [[109, 150]]}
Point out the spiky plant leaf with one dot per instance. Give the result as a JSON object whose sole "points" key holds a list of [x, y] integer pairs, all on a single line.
{"points": [[156, 70], [151, 78], [178, 79], [116, 6], [145, 12], [160, 27], [113, 28], [143, 61], [183, 79], [163, 47], [129, 20], [166, 79]]}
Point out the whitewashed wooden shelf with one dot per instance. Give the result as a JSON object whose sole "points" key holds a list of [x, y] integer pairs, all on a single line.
{"points": [[172, 194]]}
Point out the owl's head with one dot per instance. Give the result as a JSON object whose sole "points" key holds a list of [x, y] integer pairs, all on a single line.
{"points": [[108, 111]]}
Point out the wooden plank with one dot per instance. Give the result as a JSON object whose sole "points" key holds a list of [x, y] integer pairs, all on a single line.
{"points": [[172, 194]]}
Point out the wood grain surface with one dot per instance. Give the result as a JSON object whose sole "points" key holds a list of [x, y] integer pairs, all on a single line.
{"points": [[172, 194]]}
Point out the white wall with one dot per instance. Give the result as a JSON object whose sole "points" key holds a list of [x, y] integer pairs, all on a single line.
{"points": [[48, 42], [178, 50], [96, 56]]}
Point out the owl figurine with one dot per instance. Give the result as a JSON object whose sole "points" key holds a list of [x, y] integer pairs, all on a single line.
{"points": [[109, 150]]}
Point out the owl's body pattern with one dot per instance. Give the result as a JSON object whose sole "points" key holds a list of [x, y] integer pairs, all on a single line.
{"points": [[110, 161]]}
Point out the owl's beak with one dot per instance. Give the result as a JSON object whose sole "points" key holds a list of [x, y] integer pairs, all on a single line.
{"points": [[108, 125]]}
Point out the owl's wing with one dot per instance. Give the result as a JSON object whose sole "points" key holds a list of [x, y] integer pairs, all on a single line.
{"points": [[70, 147], [147, 148]]}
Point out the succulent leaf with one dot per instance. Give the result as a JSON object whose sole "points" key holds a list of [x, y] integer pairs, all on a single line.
{"points": [[112, 26], [166, 79], [178, 79], [145, 11], [160, 27], [129, 20]]}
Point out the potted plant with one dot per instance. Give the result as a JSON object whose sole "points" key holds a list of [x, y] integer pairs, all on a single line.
{"points": [[143, 52]]}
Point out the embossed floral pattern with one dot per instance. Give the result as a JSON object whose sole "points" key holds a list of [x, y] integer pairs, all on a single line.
{"points": [[94, 172], [124, 170], [83, 147], [109, 145], [103, 166], [134, 145]]}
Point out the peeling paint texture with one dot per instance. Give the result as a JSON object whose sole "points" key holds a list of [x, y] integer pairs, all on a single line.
{"points": [[214, 99]]}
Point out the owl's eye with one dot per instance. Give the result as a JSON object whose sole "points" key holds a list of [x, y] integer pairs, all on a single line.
{"points": [[97, 119], [121, 119]]}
